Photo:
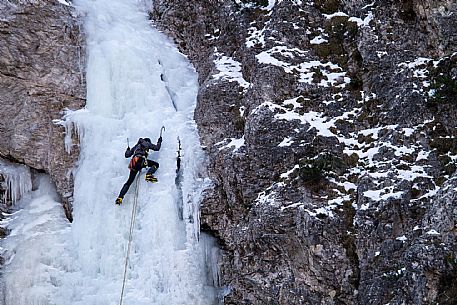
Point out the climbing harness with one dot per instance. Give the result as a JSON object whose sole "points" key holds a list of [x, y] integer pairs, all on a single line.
{"points": [[132, 223], [133, 162]]}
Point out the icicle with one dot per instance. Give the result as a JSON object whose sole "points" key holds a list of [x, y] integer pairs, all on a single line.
{"points": [[18, 179], [69, 121], [211, 259]]}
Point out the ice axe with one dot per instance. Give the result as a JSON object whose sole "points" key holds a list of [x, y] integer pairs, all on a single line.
{"points": [[162, 129]]}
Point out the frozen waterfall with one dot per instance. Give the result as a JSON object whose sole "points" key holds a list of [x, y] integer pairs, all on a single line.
{"points": [[52, 262]]}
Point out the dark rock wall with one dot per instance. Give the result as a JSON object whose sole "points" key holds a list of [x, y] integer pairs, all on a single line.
{"points": [[41, 74], [343, 189]]}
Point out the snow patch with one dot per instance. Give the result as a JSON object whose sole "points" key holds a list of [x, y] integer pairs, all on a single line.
{"points": [[433, 232], [327, 211], [233, 142], [402, 238], [420, 61], [323, 74], [363, 22], [318, 40], [383, 194], [256, 36], [286, 142], [64, 2], [369, 5], [337, 14], [288, 173], [229, 69], [264, 198], [381, 54], [293, 102]]}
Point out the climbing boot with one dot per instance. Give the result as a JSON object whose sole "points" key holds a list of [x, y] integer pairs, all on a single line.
{"points": [[119, 200], [150, 178]]}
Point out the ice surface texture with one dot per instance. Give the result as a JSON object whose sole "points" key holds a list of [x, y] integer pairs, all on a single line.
{"points": [[126, 98]]}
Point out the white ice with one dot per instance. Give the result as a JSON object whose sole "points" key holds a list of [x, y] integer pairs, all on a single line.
{"points": [[37, 252], [83, 264]]}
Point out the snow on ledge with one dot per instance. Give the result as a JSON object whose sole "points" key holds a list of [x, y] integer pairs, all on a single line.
{"points": [[332, 74], [378, 195], [288, 173], [337, 14], [402, 238], [363, 22], [318, 40], [229, 69], [360, 22], [433, 232], [64, 2], [286, 142], [234, 142]]}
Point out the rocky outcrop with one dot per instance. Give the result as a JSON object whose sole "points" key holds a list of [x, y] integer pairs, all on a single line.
{"points": [[331, 136], [41, 74]]}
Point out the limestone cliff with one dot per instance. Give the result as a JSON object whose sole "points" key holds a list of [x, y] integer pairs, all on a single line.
{"points": [[331, 134], [41, 74]]}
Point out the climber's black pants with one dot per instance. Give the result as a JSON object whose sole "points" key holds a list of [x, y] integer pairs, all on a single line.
{"points": [[153, 166]]}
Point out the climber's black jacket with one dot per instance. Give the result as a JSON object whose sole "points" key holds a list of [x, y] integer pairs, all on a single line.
{"points": [[142, 147]]}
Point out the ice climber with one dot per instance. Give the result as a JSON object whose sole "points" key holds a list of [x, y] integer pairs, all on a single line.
{"points": [[139, 161]]}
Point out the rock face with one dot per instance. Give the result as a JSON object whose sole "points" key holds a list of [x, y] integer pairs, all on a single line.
{"points": [[41, 74], [331, 134]]}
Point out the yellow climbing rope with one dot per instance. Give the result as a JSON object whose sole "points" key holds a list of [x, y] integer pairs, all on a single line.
{"points": [[132, 223]]}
